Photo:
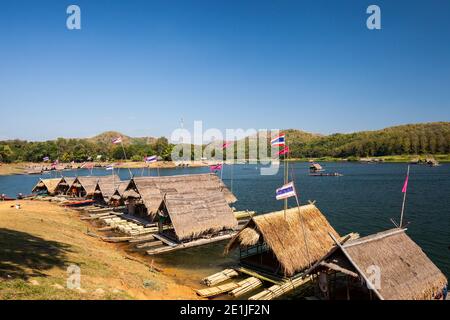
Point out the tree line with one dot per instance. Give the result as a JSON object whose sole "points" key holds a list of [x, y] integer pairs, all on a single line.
{"points": [[427, 138]]}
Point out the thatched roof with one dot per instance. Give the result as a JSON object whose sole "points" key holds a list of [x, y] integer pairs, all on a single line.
{"points": [[47, 184], [284, 236], [89, 184], [316, 166], [406, 272], [108, 185], [194, 214], [153, 189], [120, 190]]}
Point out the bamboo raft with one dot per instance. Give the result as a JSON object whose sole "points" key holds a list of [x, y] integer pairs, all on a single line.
{"points": [[219, 277], [278, 290], [215, 291], [245, 286]]}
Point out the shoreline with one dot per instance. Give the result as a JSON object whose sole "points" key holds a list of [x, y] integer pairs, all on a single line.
{"points": [[22, 168]]}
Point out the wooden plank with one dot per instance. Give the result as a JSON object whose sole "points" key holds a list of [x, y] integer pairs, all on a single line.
{"points": [[149, 244], [165, 240], [335, 267], [191, 244], [142, 239]]}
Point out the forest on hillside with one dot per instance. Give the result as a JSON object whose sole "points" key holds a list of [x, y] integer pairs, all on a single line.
{"points": [[414, 139]]}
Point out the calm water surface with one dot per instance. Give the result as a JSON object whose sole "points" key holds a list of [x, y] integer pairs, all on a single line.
{"points": [[363, 200]]}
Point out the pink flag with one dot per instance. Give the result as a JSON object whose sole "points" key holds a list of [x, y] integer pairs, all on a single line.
{"points": [[405, 186], [226, 145], [283, 151], [216, 167]]}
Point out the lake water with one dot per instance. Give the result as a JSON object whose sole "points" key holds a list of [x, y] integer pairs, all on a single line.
{"points": [[363, 201]]}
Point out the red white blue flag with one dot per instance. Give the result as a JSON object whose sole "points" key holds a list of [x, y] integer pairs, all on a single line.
{"points": [[151, 159], [286, 191], [278, 141], [117, 140]]}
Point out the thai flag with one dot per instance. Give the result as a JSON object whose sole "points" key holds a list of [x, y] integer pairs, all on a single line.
{"points": [[278, 141], [110, 167], [226, 145], [151, 159], [283, 151], [286, 191], [117, 140], [46, 159]]}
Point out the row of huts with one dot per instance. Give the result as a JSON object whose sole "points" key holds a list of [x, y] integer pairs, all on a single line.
{"points": [[184, 207], [282, 248]]}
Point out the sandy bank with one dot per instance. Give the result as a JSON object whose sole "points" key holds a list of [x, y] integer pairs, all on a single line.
{"points": [[38, 243]]}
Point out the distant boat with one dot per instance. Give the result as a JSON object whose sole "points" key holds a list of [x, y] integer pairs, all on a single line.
{"points": [[315, 167], [3, 197], [322, 174]]}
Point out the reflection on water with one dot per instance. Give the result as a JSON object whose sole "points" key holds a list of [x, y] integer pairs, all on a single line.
{"points": [[363, 200]]}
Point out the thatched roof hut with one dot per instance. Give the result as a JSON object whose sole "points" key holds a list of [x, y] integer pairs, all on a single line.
{"points": [[87, 186], [406, 273], [279, 240], [149, 191], [194, 214], [107, 186], [116, 199], [47, 186], [64, 185], [314, 167]]}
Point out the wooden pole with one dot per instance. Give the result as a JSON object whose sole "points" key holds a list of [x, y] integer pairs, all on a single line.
{"points": [[125, 155], [404, 200], [286, 173]]}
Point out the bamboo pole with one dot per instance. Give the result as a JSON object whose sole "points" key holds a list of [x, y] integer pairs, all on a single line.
{"points": [[404, 200]]}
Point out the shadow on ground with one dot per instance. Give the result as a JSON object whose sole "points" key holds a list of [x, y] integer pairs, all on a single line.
{"points": [[23, 255]]}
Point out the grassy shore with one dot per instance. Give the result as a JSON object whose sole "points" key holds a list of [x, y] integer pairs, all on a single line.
{"points": [[38, 243]]}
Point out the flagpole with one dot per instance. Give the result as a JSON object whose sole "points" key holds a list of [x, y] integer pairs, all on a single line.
{"points": [[125, 155], [286, 179], [404, 200]]}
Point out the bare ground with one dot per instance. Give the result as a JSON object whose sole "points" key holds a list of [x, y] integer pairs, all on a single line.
{"points": [[39, 241]]}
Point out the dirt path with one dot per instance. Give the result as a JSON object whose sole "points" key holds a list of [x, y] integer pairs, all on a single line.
{"points": [[41, 240]]}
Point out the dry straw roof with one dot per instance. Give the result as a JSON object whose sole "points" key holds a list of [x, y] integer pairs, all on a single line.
{"points": [[284, 236], [119, 189], [48, 184], [108, 185], [153, 189], [90, 183], [406, 272], [316, 166], [195, 214]]}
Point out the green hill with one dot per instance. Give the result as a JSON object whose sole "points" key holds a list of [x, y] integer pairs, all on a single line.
{"points": [[411, 139], [423, 138]]}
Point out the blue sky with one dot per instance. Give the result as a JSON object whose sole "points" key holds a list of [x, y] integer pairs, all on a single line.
{"points": [[140, 66]]}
